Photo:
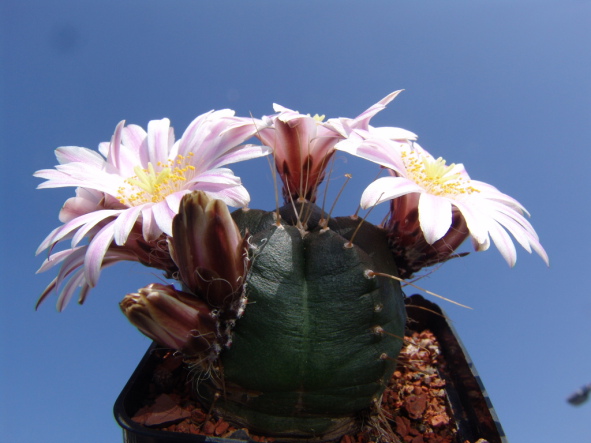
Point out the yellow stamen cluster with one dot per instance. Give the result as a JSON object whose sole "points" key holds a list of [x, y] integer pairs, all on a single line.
{"points": [[319, 118], [435, 176], [154, 184]]}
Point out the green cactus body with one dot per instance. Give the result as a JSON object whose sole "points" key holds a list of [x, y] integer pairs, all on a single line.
{"points": [[318, 339]]}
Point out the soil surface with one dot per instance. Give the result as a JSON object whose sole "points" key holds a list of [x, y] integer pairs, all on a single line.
{"points": [[413, 409]]}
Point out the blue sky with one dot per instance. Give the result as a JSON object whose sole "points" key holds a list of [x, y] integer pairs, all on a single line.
{"points": [[503, 87]]}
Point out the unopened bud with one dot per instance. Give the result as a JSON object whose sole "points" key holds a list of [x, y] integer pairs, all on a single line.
{"points": [[172, 318], [209, 251]]}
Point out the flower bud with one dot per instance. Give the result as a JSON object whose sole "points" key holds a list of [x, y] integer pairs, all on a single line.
{"points": [[209, 251], [172, 318]]}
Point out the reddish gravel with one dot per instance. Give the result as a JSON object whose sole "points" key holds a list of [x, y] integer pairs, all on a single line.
{"points": [[413, 409]]}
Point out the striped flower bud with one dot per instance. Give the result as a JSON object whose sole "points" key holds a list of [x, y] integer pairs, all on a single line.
{"points": [[210, 253], [172, 318]]}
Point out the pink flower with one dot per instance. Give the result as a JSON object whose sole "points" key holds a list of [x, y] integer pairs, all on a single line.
{"points": [[435, 206], [303, 145], [138, 181]]}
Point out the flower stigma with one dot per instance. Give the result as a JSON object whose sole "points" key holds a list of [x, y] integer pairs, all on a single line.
{"points": [[153, 186], [435, 176]]}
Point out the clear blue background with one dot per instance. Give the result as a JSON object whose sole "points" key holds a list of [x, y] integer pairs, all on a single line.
{"points": [[502, 86]]}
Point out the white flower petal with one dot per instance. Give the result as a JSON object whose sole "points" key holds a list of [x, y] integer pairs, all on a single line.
{"points": [[520, 228], [174, 200], [434, 216], [481, 245], [392, 133], [387, 188], [512, 212], [477, 225], [491, 193], [503, 242]]}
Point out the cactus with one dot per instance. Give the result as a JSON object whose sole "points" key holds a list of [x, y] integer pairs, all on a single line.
{"points": [[318, 339], [281, 317]]}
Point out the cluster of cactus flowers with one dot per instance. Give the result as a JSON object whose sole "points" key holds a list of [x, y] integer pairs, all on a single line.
{"points": [[291, 319]]}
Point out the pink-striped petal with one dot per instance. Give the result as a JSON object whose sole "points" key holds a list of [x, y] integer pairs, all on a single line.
{"points": [[134, 138], [58, 257], [236, 196], [240, 153], [95, 253], [48, 241], [86, 200], [124, 223], [362, 120], [163, 217], [76, 280], [115, 146], [158, 141], [91, 219], [150, 228], [79, 174], [72, 261], [75, 154], [383, 152]]}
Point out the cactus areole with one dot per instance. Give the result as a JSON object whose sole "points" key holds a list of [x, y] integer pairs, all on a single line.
{"points": [[318, 340]]}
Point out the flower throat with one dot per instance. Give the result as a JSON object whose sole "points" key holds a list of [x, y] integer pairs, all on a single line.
{"points": [[435, 176], [151, 186]]}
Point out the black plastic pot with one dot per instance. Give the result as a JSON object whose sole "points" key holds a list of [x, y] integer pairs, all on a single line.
{"points": [[470, 406]]}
